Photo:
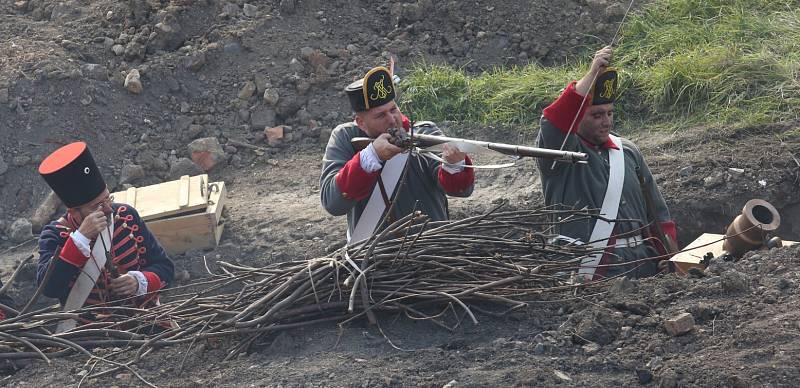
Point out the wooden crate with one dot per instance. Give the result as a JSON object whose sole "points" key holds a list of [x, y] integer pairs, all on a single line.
{"points": [[692, 255], [165, 199], [184, 214]]}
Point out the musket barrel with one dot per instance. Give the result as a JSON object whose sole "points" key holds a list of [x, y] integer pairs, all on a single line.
{"points": [[507, 149], [424, 141], [535, 152]]}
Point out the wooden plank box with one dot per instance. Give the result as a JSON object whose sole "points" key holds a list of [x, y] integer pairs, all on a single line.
{"points": [[184, 214], [692, 255]]}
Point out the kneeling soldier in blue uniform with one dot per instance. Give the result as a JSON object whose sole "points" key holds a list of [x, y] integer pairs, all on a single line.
{"points": [[136, 266]]}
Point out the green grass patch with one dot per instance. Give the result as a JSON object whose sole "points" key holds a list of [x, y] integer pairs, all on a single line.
{"points": [[512, 96], [685, 62]]}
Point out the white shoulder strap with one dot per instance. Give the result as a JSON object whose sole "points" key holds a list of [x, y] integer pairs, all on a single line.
{"points": [[603, 229], [374, 211], [87, 278]]}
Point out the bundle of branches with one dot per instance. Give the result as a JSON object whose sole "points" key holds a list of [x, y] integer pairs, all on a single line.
{"points": [[438, 271]]}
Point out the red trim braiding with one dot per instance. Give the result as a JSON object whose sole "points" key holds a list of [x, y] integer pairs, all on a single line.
{"points": [[121, 243], [126, 253], [123, 268]]}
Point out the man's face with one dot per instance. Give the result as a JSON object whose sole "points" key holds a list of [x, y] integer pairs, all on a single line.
{"points": [[103, 201], [378, 120], [597, 123]]}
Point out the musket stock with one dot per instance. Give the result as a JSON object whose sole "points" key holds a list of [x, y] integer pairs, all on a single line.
{"points": [[359, 143]]}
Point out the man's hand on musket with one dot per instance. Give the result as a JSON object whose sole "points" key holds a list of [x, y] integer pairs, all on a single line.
{"points": [[93, 224], [124, 286], [384, 149], [451, 154], [602, 59]]}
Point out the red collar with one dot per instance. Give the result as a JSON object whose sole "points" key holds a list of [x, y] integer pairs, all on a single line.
{"points": [[607, 145], [406, 123]]}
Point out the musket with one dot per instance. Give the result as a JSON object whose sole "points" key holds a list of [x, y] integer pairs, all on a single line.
{"points": [[432, 142]]}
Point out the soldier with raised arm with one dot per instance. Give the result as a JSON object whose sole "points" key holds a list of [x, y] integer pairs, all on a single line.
{"points": [[581, 120]]}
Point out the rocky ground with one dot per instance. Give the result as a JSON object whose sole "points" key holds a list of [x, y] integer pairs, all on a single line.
{"points": [[257, 86]]}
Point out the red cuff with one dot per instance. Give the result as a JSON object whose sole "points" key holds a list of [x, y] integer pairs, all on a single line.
{"points": [[406, 123], [154, 283], [353, 181], [458, 182], [562, 112], [670, 229], [71, 254]]}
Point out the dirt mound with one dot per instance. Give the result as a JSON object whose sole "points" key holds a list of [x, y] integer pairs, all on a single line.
{"points": [[226, 71]]}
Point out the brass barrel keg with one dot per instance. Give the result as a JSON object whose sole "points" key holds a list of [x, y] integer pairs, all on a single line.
{"points": [[750, 229]]}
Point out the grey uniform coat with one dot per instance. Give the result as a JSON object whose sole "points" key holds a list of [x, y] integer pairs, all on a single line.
{"points": [[583, 186], [422, 185]]}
